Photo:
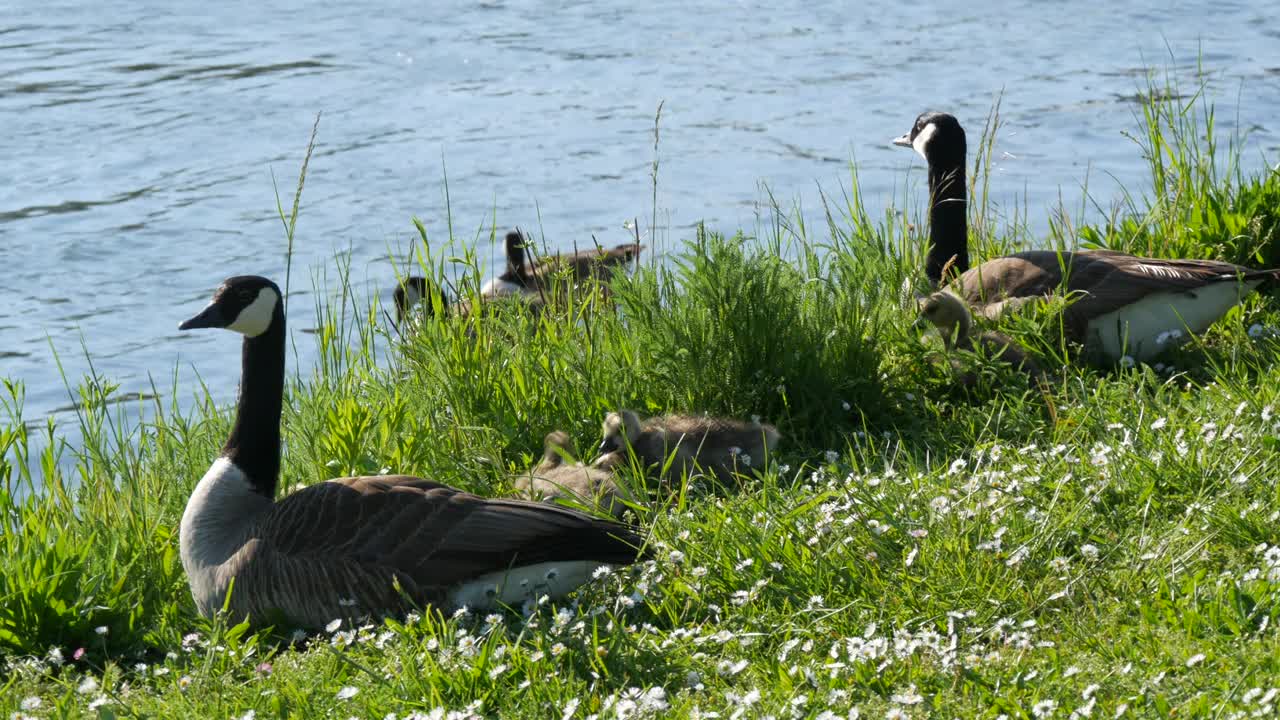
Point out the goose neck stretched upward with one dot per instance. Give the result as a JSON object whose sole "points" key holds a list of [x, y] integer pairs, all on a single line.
{"points": [[948, 221], [254, 442]]}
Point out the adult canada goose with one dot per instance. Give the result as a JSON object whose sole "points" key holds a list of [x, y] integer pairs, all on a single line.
{"points": [[413, 290], [358, 546], [556, 478], [954, 322], [719, 445], [523, 274], [1122, 304]]}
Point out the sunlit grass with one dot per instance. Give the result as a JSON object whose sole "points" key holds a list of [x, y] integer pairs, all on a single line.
{"points": [[1108, 547]]}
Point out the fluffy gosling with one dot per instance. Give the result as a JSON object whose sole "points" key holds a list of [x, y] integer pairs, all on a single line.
{"points": [[954, 322], [720, 446], [556, 478]]}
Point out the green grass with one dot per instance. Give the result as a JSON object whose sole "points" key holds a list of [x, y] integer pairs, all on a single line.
{"points": [[981, 553]]}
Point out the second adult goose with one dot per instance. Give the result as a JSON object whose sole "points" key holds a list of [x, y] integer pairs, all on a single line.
{"points": [[360, 546], [1122, 304], [413, 291]]}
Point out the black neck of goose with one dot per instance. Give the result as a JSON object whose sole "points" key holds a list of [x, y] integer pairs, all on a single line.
{"points": [[254, 443], [517, 256], [948, 221]]}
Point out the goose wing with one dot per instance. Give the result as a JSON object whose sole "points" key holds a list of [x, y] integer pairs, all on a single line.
{"points": [[1115, 278], [1101, 280], [1105, 281], [338, 548], [438, 535]]}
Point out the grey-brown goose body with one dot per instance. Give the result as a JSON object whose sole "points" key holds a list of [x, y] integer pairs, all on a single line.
{"points": [[1121, 304], [374, 546], [364, 546]]}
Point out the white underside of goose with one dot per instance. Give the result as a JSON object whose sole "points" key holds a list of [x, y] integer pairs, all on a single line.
{"points": [[222, 510], [411, 296], [1137, 329], [529, 582], [497, 287]]}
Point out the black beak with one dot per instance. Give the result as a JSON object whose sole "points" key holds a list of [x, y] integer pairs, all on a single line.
{"points": [[607, 446], [210, 317], [902, 140]]}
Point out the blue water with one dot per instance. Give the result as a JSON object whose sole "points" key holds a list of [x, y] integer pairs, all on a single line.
{"points": [[138, 144]]}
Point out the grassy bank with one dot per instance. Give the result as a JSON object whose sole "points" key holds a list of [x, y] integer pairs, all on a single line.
{"points": [[1111, 547]]}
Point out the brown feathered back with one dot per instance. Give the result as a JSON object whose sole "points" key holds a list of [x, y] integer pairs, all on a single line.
{"points": [[1098, 281], [380, 545]]}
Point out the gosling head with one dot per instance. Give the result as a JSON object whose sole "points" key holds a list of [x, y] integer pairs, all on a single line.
{"points": [[620, 430], [555, 446], [937, 137], [247, 304], [947, 313]]}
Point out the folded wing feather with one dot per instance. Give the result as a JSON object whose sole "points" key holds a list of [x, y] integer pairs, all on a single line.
{"points": [[339, 549]]}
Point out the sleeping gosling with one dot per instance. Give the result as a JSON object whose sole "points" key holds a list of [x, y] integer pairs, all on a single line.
{"points": [[720, 446], [555, 478]]}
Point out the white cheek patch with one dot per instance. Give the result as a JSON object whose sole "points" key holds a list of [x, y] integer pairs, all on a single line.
{"points": [[255, 318], [922, 139]]}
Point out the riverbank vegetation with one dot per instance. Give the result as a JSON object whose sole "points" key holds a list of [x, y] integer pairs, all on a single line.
{"points": [[1109, 547]]}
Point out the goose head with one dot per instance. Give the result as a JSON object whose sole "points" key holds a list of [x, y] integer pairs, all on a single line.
{"points": [[948, 314], [937, 137], [556, 446], [408, 294], [413, 290], [620, 429], [247, 304]]}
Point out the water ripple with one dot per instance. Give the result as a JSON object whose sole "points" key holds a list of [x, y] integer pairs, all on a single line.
{"points": [[143, 149]]}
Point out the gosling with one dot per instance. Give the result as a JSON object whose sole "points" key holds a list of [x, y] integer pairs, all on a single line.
{"points": [[954, 322], [720, 446], [525, 274], [554, 479]]}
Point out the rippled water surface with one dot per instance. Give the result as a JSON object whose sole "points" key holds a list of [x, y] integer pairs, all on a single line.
{"points": [[138, 144]]}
